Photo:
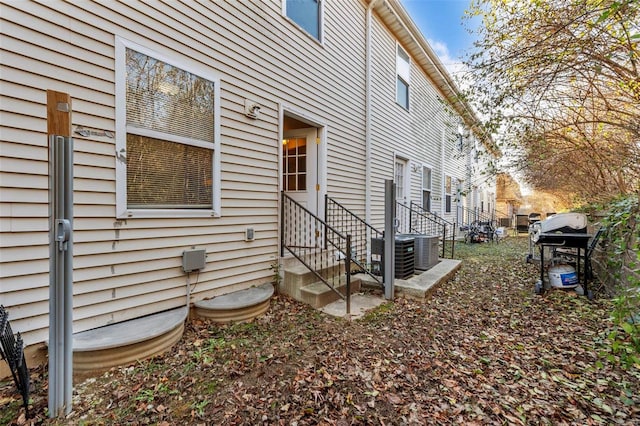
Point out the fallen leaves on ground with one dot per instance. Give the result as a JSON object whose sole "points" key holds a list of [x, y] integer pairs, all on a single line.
{"points": [[482, 349]]}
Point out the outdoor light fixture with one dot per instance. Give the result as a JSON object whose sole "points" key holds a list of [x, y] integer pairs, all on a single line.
{"points": [[251, 108]]}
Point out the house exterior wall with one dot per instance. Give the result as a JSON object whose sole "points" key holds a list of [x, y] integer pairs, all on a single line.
{"points": [[483, 179], [455, 164], [508, 196], [129, 267], [424, 135]]}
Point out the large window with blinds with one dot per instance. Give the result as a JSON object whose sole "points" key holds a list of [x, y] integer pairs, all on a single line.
{"points": [[167, 138]]}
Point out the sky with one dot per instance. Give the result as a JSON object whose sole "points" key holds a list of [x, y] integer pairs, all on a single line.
{"points": [[441, 23]]}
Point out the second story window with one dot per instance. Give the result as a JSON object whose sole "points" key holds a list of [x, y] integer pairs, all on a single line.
{"points": [[403, 77], [307, 14]]}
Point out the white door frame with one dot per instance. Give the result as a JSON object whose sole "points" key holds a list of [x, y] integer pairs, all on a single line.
{"points": [[307, 197], [321, 152], [406, 183]]}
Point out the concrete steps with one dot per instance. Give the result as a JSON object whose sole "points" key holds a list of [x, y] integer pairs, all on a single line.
{"points": [[318, 294], [303, 285]]}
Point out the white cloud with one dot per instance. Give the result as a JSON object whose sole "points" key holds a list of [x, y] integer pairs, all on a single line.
{"points": [[454, 66]]}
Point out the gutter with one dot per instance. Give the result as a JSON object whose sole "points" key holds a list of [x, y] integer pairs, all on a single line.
{"points": [[440, 75]]}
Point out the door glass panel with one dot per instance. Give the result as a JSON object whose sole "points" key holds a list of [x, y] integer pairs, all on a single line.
{"points": [[294, 157], [290, 182], [399, 178]]}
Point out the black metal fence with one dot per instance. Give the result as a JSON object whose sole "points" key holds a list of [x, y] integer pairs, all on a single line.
{"points": [[12, 351], [324, 250], [348, 223], [467, 216]]}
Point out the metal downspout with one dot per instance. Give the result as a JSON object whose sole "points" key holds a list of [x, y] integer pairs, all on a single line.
{"points": [[367, 170]]}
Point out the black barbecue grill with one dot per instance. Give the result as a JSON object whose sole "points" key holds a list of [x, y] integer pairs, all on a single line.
{"points": [[563, 231]]}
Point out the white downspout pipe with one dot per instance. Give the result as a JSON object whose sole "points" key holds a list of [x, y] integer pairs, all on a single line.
{"points": [[367, 135]]}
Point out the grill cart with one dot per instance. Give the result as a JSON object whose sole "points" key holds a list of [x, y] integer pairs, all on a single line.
{"points": [[561, 231]]}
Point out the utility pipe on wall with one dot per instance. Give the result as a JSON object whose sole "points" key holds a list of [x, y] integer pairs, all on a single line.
{"points": [[367, 131], [61, 253]]}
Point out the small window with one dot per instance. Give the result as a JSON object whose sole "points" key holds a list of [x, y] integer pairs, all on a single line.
{"points": [[447, 194], [307, 14], [402, 93], [167, 139], [460, 137], [426, 188], [459, 200], [403, 77]]}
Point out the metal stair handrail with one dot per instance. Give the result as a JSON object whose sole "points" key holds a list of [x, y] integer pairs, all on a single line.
{"points": [[317, 245], [448, 228], [343, 219], [470, 216], [410, 221]]}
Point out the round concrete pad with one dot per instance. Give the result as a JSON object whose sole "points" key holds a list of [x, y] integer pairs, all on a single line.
{"points": [[89, 361], [129, 332], [238, 299]]}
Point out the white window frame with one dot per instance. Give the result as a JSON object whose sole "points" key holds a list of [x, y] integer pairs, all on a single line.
{"points": [[448, 194], [424, 188], [403, 73], [459, 199], [460, 137], [320, 37], [122, 210]]}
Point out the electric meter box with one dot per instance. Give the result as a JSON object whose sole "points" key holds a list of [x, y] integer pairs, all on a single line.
{"points": [[193, 259]]}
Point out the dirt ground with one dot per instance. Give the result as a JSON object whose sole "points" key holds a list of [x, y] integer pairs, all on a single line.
{"points": [[483, 349]]}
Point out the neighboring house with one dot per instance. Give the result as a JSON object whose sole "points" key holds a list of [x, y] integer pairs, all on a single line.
{"points": [[508, 199], [239, 101]]}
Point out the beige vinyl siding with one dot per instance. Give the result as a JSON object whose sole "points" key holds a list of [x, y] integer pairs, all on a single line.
{"points": [[426, 125], [455, 165], [389, 120], [129, 268], [415, 134]]}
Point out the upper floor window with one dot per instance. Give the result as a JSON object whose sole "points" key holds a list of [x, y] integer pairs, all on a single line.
{"points": [[403, 77], [460, 137], [476, 151], [166, 138], [307, 14]]}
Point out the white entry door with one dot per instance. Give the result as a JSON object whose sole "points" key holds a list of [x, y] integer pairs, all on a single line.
{"points": [[300, 167], [400, 178]]}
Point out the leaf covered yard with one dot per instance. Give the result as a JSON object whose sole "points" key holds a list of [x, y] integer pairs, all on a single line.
{"points": [[483, 349]]}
